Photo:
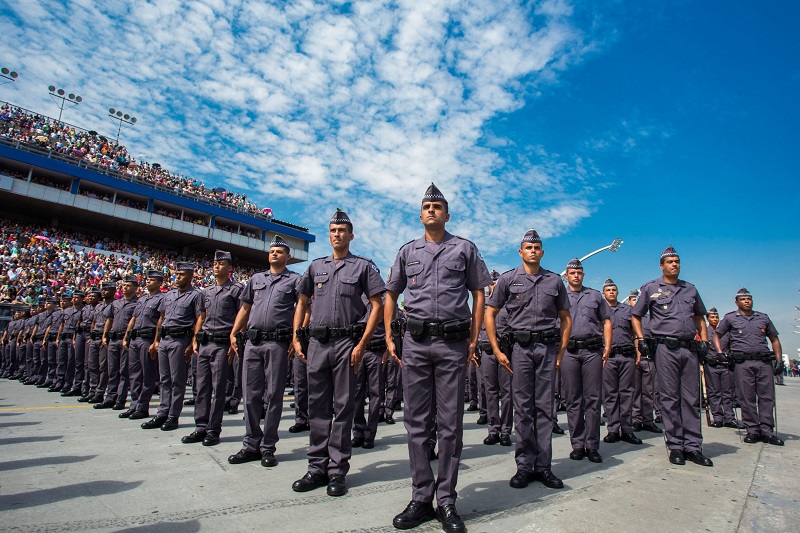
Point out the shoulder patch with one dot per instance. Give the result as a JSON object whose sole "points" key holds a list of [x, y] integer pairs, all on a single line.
{"points": [[374, 267]]}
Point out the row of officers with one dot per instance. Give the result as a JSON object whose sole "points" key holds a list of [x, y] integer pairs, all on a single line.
{"points": [[532, 342]]}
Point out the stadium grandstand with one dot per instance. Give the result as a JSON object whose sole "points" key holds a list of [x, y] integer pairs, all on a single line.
{"points": [[57, 178]]}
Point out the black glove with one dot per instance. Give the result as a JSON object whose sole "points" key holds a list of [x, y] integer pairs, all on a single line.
{"points": [[778, 370], [644, 348]]}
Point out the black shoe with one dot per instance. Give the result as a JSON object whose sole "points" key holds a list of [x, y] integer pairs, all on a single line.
{"points": [[602, 422], [752, 438], [104, 405], [548, 479], [493, 438], [637, 426], [195, 436], [698, 458], [336, 485], [119, 406], [611, 438], [594, 456], [369, 443], [243, 456], [297, 428], [212, 438], [190, 401], [357, 442], [67, 392], [293, 405], [138, 415], [505, 440], [97, 398], [448, 516], [234, 409], [651, 427], [473, 406], [676, 457], [414, 514], [381, 417], [171, 424], [521, 479], [126, 413], [227, 405], [773, 439], [432, 456], [268, 459], [659, 420], [630, 438], [155, 422], [577, 454], [55, 388], [736, 405], [557, 429], [310, 482], [734, 425], [389, 419], [84, 399], [716, 424], [482, 420]]}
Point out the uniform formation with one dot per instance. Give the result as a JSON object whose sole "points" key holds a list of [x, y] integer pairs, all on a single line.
{"points": [[520, 346]]}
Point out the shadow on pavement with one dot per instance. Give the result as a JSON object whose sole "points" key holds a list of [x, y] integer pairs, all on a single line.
{"points": [[165, 527], [23, 440], [715, 449], [44, 461], [14, 424], [10, 414], [64, 492]]}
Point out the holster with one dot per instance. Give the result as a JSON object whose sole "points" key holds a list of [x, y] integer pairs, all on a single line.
{"points": [[397, 337], [416, 328]]}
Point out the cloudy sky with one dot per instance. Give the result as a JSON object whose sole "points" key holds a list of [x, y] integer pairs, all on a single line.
{"points": [[656, 122]]}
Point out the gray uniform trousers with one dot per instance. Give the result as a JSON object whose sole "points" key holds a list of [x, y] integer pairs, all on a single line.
{"points": [[497, 385], [369, 382], [533, 385], [31, 361], [476, 391], [193, 363], [264, 374], [679, 394], [65, 371], [754, 381], [718, 389], [618, 383], [582, 375], [434, 367], [98, 367], [644, 396], [211, 378], [40, 360], [52, 361], [80, 361], [143, 374], [300, 391], [233, 388], [172, 372], [394, 388], [331, 393], [118, 380]]}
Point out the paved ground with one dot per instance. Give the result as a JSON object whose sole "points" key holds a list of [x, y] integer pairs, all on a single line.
{"points": [[66, 467]]}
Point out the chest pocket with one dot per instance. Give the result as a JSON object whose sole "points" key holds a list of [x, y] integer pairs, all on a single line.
{"points": [[454, 272], [664, 302], [207, 302], [350, 286], [589, 308], [285, 293], [517, 295], [412, 272], [321, 284], [151, 309]]}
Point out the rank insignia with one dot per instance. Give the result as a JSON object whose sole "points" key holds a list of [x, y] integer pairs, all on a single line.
{"points": [[319, 285]]}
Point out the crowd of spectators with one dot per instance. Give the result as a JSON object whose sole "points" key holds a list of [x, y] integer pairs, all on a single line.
{"points": [[93, 149], [39, 261]]}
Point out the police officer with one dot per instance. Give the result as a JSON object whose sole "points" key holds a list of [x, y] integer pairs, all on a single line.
{"points": [[215, 345], [65, 342], [98, 348], [436, 273], [77, 347], [9, 367], [748, 331], [300, 385], [582, 367], [718, 377], [140, 342], [87, 317], [175, 344], [497, 384], [32, 352], [335, 351], [41, 342], [676, 315], [644, 395], [266, 315], [49, 344], [392, 373], [619, 371], [369, 384], [118, 316]]}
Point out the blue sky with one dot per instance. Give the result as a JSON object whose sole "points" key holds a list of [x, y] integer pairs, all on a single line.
{"points": [[657, 122]]}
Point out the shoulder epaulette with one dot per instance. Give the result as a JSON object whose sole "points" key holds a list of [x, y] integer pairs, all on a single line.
{"points": [[406, 244]]}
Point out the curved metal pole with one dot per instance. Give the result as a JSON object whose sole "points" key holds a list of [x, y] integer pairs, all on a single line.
{"points": [[614, 246]]}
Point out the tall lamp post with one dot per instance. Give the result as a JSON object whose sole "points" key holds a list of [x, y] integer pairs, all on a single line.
{"points": [[9, 75], [614, 246], [61, 94], [121, 118]]}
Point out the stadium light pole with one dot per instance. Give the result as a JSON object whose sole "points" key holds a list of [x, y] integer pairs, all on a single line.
{"points": [[614, 246], [10, 75], [60, 94], [121, 118]]}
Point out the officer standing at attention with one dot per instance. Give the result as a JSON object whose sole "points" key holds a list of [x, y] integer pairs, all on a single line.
{"points": [[496, 383], [393, 378], [539, 320], [65, 354], [118, 316], [335, 351], [369, 384], [300, 375], [87, 318], [215, 347], [748, 331], [140, 343], [49, 344], [436, 273], [75, 364], [98, 350], [718, 378], [266, 315], [588, 350], [644, 397], [676, 315], [175, 343], [619, 371], [43, 322]]}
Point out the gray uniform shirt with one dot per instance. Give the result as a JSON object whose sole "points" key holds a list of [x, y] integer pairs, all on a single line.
{"points": [[532, 301], [724, 341], [221, 303], [121, 311], [273, 298], [99, 316], [621, 322], [337, 289], [588, 309], [436, 278], [45, 320], [71, 319], [181, 308], [146, 313], [380, 329], [748, 334], [672, 308], [86, 314]]}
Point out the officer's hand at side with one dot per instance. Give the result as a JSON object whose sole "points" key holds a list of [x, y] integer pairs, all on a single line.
{"points": [[638, 358], [503, 361], [357, 356], [232, 351], [392, 349], [193, 346], [234, 344], [298, 349], [125, 344], [384, 358], [472, 356], [291, 351], [606, 355], [153, 351]]}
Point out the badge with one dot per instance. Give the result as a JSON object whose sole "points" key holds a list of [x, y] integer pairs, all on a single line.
{"points": [[413, 281], [389, 276], [665, 307], [319, 285]]}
